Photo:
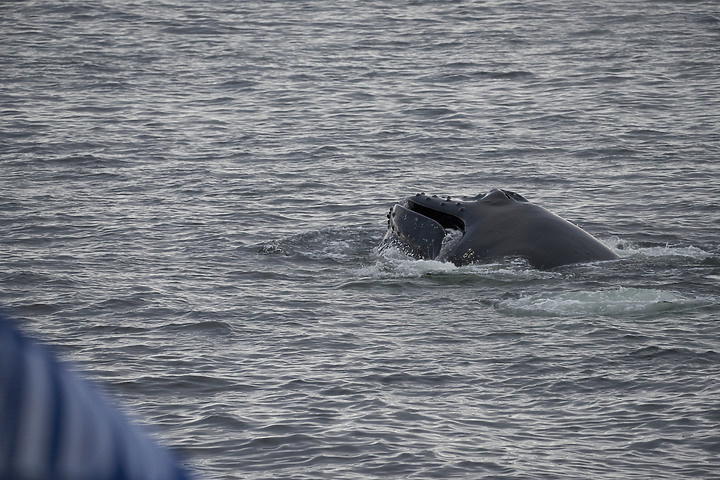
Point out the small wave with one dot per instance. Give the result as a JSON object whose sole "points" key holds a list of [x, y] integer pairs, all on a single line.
{"points": [[238, 84], [505, 75], [630, 249], [430, 112], [616, 301], [336, 244], [393, 262], [679, 354], [204, 383], [210, 327]]}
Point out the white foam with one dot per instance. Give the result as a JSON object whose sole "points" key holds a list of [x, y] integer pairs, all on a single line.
{"points": [[393, 262], [452, 237], [336, 249], [620, 300], [629, 249]]}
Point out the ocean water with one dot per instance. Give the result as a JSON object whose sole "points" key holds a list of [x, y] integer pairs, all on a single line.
{"points": [[192, 195]]}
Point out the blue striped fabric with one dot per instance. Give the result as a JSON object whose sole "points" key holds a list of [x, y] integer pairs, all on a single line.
{"points": [[55, 425]]}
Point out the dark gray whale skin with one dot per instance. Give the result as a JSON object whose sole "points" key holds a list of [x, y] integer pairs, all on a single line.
{"points": [[498, 224]]}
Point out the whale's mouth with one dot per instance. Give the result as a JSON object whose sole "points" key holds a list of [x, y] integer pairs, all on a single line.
{"points": [[447, 220], [423, 226]]}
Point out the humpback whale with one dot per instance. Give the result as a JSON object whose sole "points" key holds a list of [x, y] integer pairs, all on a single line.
{"points": [[487, 227]]}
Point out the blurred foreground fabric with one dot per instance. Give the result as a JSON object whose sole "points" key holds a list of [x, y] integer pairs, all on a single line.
{"points": [[56, 425]]}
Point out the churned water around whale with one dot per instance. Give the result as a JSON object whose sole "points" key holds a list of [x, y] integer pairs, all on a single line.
{"points": [[193, 195]]}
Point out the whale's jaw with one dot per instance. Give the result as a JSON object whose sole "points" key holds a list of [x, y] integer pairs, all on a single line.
{"points": [[419, 229]]}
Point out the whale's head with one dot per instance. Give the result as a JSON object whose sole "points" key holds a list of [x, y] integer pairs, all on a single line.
{"points": [[423, 222]]}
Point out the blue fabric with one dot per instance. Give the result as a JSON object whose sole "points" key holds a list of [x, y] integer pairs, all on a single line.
{"points": [[54, 425]]}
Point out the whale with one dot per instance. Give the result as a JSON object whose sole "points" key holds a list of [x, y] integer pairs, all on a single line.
{"points": [[488, 227]]}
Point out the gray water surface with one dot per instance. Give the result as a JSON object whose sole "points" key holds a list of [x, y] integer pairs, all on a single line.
{"points": [[192, 195]]}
